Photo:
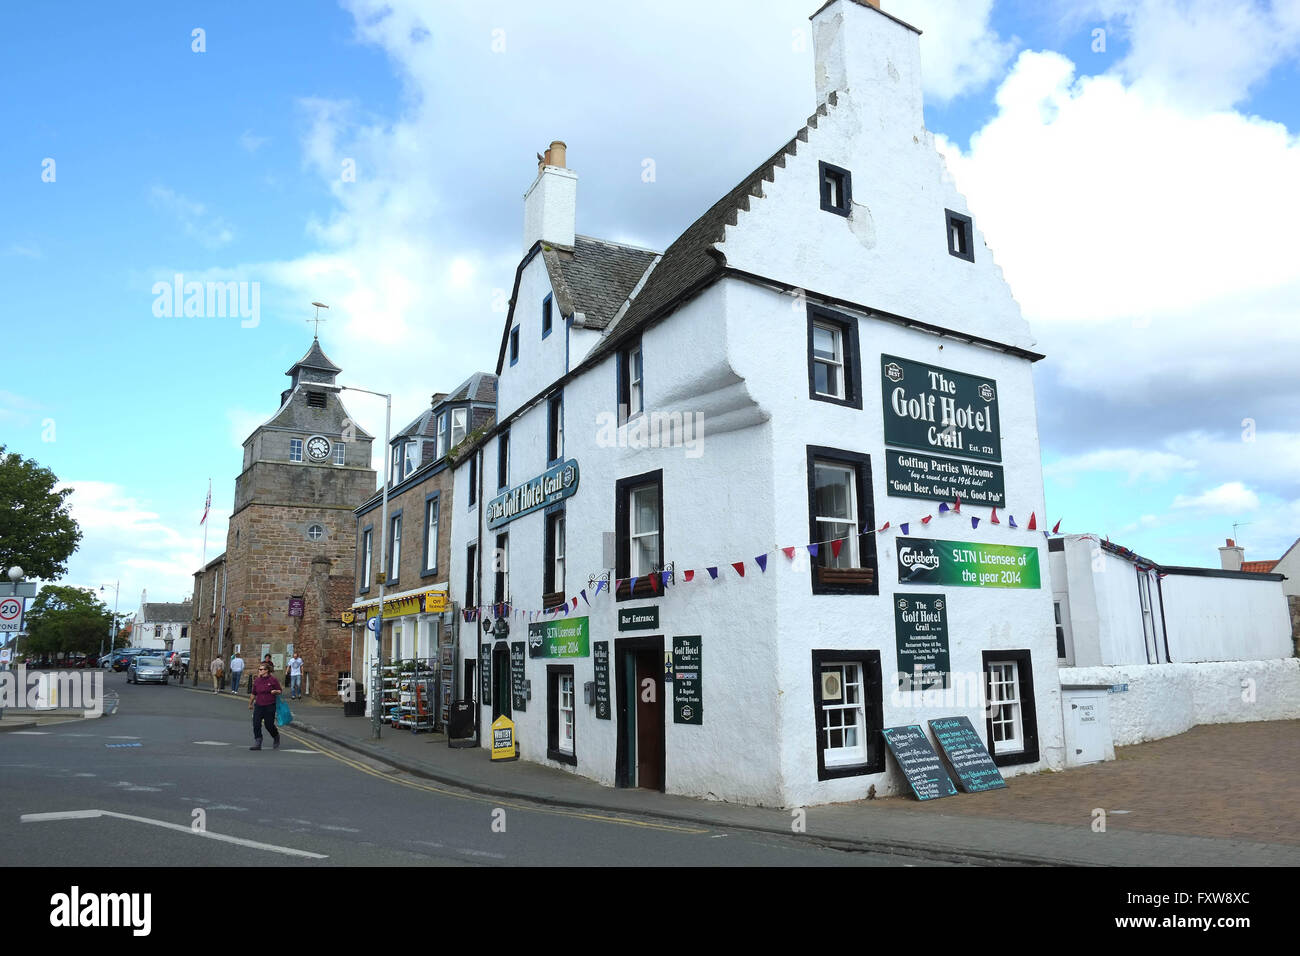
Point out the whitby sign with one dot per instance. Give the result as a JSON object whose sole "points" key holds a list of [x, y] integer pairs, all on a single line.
{"points": [[546, 489], [936, 409]]}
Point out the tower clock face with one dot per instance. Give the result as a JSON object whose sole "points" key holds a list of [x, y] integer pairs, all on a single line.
{"points": [[318, 447]]}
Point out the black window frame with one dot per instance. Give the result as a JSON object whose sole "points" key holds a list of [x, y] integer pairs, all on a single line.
{"points": [[554, 440], [500, 590], [363, 572], [553, 752], [624, 383], [623, 536], [514, 346], [825, 170], [548, 317], [967, 225], [471, 576], [848, 326], [866, 518], [1028, 711], [551, 596], [473, 479], [434, 498], [873, 712], [393, 567], [503, 460]]}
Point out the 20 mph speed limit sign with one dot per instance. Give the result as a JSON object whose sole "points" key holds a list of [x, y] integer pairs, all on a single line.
{"points": [[11, 614]]}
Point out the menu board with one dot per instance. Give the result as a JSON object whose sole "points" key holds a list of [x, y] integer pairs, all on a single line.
{"points": [[518, 694], [918, 761], [602, 680], [485, 675], [688, 694], [921, 634], [966, 754]]}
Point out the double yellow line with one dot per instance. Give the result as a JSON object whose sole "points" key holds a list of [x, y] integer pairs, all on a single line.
{"points": [[478, 798]]}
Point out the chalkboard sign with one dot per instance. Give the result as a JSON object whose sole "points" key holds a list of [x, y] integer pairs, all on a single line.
{"points": [[918, 761], [602, 680], [688, 693], [485, 674], [518, 694], [966, 754]]}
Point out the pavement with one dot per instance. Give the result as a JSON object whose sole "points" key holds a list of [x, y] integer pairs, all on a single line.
{"points": [[1219, 795]]}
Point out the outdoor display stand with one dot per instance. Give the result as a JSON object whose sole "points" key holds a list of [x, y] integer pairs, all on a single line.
{"points": [[417, 696]]}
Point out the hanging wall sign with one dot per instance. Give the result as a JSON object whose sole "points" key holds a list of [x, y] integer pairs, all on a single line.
{"points": [[638, 618], [602, 680], [966, 564], [921, 631], [567, 637], [518, 694], [932, 478], [967, 755], [918, 761], [936, 409], [296, 605], [688, 690], [554, 485]]}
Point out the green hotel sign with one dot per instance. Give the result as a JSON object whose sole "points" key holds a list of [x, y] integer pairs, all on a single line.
{"points": [[968, 564], [554, 485], [568, 637], [939, 410]]}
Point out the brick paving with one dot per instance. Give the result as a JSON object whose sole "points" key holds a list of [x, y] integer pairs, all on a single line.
{"points": [[1233, 781]]}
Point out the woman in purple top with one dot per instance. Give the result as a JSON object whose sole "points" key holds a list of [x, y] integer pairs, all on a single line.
{"points": [[261, 701]]}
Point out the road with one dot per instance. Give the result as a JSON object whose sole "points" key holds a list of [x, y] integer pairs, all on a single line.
{"points": [[175, 784]]}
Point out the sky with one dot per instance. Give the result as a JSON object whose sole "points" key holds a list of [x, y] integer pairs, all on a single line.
{"points": [[1133, 165]]}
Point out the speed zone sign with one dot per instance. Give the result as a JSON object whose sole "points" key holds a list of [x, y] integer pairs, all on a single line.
{"points": [[11, 614]]}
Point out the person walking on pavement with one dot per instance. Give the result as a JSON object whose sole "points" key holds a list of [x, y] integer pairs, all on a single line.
{"points": [[236, 672], [295, 677], [262, 692], [218, 668]]}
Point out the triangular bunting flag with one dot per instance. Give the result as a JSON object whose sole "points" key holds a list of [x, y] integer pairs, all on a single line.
{"points": [[884, 527], [943, 508], [1056, 529], [957, 505], [1033, 521], [632, 589], [667, 576], [654, 582], [903, 527], [812, 549], [1011, 520], [761, 561], [974, 522], [690, 576], [835, 547], [739, 566], [575, 604], [583, 592], [926, 519], [599, 584], [788, 552], [994, 517], [713, 573]]}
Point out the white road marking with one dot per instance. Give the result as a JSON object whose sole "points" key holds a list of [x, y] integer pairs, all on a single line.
{"points": [[181, 828], [30, 733], [213, 743], [495, 856], [295, 750], [120, 737]]}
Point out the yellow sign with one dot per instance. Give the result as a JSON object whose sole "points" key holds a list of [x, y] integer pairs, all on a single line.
{"points": [[430, 602], [435, 602], [503, 739], [348, 617]]}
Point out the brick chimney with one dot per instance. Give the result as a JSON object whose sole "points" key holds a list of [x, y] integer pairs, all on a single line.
{"points": [[1231, 555], [874, 59], [551, 203]]}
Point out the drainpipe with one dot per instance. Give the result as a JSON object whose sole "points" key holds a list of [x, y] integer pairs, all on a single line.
{"points": [[1164, 626]]}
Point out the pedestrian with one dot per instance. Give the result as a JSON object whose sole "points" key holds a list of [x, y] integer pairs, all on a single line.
{"points": [[295, 677], [262, 692], [236, 672], [218, 669]]}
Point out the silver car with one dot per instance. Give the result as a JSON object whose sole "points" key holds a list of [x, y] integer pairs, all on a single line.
{"points": [[147, 668]]}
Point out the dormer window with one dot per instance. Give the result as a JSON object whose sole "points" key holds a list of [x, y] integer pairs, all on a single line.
{"points": [[546, 316], [442, 436], [412, 457], [836, 188], [459, 418], [316, 399], [961, 234]]}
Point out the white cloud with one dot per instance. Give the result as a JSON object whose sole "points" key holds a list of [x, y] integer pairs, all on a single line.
{"points": [[210, 231], [252, 142], [1231, 498], [1135, 463], [960, 51]]}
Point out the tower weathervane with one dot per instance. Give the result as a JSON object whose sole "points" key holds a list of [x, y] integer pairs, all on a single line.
{"points": [[317, 319]]}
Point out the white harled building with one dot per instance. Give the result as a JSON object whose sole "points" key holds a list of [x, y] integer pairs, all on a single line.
{"points": [[828, 348]]}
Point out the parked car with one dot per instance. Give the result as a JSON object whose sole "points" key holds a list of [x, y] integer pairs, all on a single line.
{"points": [[122, 658], [147, 669]]}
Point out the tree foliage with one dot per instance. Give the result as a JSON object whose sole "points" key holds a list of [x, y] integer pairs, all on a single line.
{"points": [[36, 531], [66, 619]]}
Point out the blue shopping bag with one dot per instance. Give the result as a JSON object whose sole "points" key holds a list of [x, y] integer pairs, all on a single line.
{"points": [[283, 715]]}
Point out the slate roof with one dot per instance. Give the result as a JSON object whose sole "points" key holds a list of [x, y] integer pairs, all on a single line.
{"points": [[479, 387], [595, 278], [315, 358], [166, 612]]}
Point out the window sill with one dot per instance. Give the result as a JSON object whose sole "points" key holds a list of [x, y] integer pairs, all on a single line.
{"points": [[844, 581], [851, 401], [623, 592], [429, 573], [836, 771], [562, 757], [553, 600]]}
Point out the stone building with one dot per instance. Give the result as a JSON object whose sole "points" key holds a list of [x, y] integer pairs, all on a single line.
{"points": [[286, 575]]}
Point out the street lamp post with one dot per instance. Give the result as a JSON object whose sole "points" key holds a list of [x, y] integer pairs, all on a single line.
{"points": [[112, 628], [15, 578], [376, 690]]}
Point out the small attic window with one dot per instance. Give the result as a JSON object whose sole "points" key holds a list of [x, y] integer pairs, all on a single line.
{"points": [[514, 345], [316, 399], [836, 188], [546, 316], [961, 235]]}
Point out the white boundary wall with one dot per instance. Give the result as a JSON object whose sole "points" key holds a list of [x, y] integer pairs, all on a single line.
{"points": [[1167, 699]]}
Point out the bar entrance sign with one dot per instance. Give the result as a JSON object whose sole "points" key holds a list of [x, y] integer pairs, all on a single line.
{"points": [[967, 755], [918, 761]]}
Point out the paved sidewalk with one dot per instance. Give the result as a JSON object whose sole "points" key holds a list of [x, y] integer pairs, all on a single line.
{"points": [[1217, 796]]}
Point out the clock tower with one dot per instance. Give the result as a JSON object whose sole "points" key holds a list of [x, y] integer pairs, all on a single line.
{"points": [[290, 562]]}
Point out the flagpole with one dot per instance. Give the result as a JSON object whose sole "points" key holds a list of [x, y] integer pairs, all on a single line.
{"points": [[204, 564]]}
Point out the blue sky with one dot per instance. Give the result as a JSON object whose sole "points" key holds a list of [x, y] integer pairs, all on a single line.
{"points": [[1140, 200]]}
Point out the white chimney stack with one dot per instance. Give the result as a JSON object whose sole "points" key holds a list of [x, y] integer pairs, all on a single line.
{"points": [[874, 59], [551, 203], [1231, 556]]}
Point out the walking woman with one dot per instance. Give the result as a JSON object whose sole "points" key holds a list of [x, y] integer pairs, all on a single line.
{"points": [[261, 701]]}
